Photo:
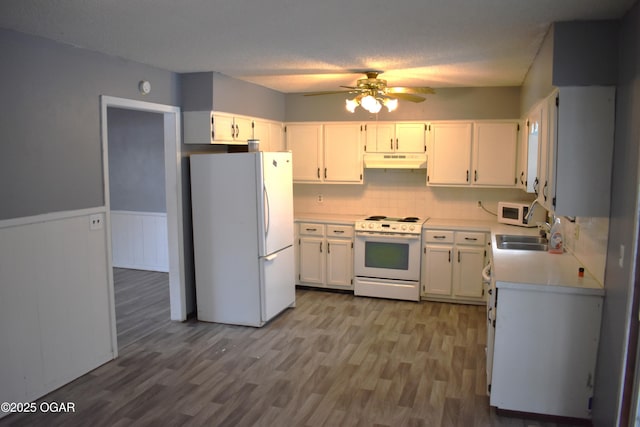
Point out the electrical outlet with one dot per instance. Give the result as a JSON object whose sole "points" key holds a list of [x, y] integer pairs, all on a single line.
{"points": [[320, 199], [96, 221]]}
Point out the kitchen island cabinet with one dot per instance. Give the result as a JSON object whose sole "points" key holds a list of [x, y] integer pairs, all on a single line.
{"points": [[543, 331], [544, 356]]}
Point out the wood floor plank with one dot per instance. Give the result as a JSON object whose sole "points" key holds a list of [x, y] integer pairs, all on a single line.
{"points": [[334, 360]]}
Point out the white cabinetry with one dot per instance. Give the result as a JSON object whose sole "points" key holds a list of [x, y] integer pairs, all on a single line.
{"points": [[212, 127], [395, 137], [545, 351], [472, 154], [325, 255], [570, 148], [270, 134], [325, 153], [452, 265]]}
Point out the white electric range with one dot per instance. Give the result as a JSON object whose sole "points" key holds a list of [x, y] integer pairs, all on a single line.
{"points": [[387, 255]]}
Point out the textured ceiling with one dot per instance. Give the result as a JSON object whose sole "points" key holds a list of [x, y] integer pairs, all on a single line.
{"points": [[302, 45]]}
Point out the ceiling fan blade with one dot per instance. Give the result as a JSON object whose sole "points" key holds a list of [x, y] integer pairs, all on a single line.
{"points": [[407, 97], [399, 89], [349, 87], [328, 92]]}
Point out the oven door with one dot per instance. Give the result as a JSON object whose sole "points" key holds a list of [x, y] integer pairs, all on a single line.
{"points": [[387, 256]]}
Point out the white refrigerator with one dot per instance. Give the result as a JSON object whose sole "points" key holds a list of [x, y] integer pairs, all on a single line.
{"points": [[242, 209]]}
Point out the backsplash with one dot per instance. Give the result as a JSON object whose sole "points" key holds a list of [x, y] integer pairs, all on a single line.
{"points": [[401, 192], [589, 243]]}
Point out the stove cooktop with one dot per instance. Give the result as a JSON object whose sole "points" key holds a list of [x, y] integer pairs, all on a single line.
{"points": [[382, 223]]}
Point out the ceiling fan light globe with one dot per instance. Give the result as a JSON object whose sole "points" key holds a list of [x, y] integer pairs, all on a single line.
{"points": [[351, 105], [391, 104], [368, 102], [375, 107]]}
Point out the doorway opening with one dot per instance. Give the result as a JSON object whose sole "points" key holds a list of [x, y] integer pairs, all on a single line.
{"points": [[169, 117]]}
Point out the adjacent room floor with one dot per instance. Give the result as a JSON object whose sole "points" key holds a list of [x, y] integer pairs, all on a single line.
{"points": [[334, 360]]}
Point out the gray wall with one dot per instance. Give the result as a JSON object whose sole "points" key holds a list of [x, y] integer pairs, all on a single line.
{"points": [[585, 53], [623, 228], [136, 160], [446, 104], [50, 155], [215, 91], [538, 83]]}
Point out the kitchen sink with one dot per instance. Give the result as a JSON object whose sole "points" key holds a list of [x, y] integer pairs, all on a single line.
{"points": [[527, 243]]}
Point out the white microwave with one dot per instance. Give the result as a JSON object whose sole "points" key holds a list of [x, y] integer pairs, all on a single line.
{"points": [[515, 213]]}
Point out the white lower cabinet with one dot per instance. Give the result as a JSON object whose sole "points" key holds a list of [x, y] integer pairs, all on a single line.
{"points": [[452, 265], [545, 350], [325, 255]]}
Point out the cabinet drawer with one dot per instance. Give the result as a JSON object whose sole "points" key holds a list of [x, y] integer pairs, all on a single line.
{"points": [[470, 238], [438, 236], [339, 231], [311, 229]]}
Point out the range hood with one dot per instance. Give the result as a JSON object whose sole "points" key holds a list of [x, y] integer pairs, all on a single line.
{"points": [[395, 161]]}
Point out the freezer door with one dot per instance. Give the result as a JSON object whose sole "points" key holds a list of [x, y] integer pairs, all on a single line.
{"points": [[278, 282], [276, 229]]}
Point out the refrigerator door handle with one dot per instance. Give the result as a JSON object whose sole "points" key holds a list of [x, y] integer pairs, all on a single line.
{"points": [[271, 257], [267, 211]]}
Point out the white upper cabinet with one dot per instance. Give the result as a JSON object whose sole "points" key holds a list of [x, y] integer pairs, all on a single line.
{"points": [[581, 134], [494, 153], [479, 154], [212, 127], [449, 153], [270, 135], [326, 153], [391, 137], [343, 152], [305, 142]]}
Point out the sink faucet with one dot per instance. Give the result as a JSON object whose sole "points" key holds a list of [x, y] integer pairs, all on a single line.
{"points": [[531, 208], [544, 228]]}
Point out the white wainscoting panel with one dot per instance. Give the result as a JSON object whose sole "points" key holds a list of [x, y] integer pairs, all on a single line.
{"points": [[55, 317], [139, 240]]}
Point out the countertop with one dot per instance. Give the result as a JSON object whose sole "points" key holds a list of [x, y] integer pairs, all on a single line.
{"points": [[533, 270], [327, 218]]}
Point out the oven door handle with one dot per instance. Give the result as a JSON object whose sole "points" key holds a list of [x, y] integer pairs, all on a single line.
{"points": [[390, 235]]}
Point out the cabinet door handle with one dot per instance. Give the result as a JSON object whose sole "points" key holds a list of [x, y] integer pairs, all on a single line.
{"points": [[396, 143], [439, 237], [475, 175], [320, 247], [311, 229], [328, 247], [458, 256], [535, 186], [449, 255], [318, 173], [233, 131], [391, 145], [467, 176], [338, 231], [237, 131], [473, 239], [325, 173], [544, 190], [521, 176]]}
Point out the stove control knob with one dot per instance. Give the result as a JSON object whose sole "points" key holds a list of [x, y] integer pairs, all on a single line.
{"points": [[412, 227], [404, 227], [363, 225], [371, 225]]}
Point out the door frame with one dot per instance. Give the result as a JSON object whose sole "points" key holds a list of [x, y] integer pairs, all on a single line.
{"points": [[173, 189]]}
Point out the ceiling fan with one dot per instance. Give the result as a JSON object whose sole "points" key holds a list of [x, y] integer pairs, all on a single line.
{"points": [[373, 93]]}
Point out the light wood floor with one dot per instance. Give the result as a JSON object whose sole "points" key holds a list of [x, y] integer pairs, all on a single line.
{"points": [[334, 360]]}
